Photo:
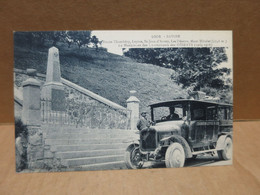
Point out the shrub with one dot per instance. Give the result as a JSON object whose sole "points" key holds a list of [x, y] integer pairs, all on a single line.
{"points": [[21, 143], [20, 128]]}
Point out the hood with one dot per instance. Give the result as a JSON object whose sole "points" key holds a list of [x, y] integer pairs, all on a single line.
{"points": [[168, 125]]}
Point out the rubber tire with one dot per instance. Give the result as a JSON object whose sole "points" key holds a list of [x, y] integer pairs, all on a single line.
{"points": [[220, 155], [175, 150], [128, 161], [226, 154]]}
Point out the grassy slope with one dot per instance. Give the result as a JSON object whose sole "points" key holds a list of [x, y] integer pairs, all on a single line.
{"points": [[106, 74]]}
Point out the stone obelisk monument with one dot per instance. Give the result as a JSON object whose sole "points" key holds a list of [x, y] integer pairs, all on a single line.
{"points": [[53, 89]]}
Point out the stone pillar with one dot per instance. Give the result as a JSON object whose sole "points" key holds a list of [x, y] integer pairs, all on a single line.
{"points": [[31, 116], [53, 89], [133, 105], [31, 113]]}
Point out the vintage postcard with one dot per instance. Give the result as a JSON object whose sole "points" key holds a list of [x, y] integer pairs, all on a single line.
{"points": [[106, 100]]}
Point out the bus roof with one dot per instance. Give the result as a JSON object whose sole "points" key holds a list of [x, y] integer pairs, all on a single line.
{"points": [[180, 101]]}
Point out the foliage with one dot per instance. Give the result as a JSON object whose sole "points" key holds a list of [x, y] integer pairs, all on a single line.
{"points": [[55, 36], [225, 95], [20, 128], [21, 144], [81, 38], [193, 67], [44, 39], [95, 41]]}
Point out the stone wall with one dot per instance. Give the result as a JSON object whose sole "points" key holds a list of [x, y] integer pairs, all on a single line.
{"points": [[17, 109], [39, 155], [83, 107], [92, 113], [35, 148]]}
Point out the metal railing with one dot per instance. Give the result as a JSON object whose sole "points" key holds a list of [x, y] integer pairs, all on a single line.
{"points": [[90, 116]]}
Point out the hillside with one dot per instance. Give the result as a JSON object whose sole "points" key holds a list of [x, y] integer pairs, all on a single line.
{"points": [[106, 74]]}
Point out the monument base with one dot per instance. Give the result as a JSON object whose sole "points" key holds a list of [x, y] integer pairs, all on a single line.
{"points": [[56, 94]]}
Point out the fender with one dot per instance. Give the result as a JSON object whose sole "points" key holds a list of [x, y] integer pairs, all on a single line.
{"points": [[221, 141], [182, 141], [132, 145]]}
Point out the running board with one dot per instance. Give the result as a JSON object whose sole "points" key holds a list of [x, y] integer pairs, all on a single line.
{"points": [[204, 151]]}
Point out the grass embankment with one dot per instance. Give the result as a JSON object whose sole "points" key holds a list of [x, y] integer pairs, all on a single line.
{"points": [[109, 75]]}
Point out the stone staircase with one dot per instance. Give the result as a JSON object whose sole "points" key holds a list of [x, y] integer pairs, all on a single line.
{"points": [[88, 149]]}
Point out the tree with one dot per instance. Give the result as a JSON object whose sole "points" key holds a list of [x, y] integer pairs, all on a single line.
{"points": [[52, 38], [39, 39], [196, 67], [81, 38], [95, 41], [55, 36], [68, 40], [29, 39]]}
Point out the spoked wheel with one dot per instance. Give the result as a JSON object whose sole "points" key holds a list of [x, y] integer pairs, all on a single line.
{"points": [[226, 153], [175, 156], [133, 158]]}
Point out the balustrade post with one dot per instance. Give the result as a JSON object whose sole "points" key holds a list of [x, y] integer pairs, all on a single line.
{"points": [[31, 113], [133, 106], [31, 116]]}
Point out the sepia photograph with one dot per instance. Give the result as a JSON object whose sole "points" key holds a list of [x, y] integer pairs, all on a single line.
{"points": [[109, 100]]}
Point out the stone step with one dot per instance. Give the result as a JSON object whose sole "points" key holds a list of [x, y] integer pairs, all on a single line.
{"points": [[90, 153], [94, 131], [100, 166], [90, 135], [65, 129], [67, 148], [69, 141], [92, 160], [82, 129]]}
